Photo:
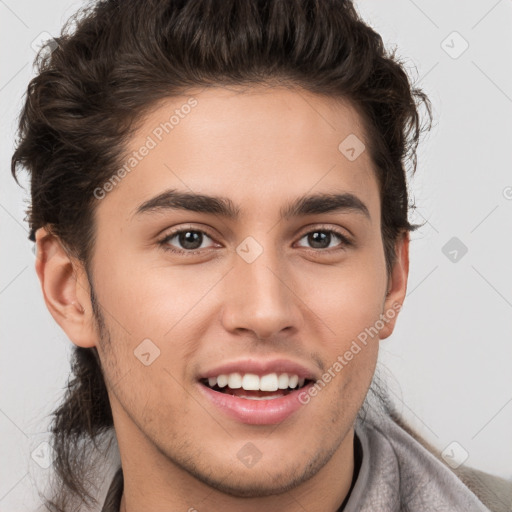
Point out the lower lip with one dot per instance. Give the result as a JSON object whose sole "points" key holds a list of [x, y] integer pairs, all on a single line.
{"points": [[256, 412]]}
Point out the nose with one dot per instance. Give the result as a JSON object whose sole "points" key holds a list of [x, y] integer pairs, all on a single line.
{"points": [[260, 297]]}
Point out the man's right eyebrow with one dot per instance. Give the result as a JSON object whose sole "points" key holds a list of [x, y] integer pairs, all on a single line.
{"points": [[181, 200], [222, 206]]}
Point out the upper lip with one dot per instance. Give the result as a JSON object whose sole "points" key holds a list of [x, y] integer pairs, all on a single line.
{"points": [[260, 367]]}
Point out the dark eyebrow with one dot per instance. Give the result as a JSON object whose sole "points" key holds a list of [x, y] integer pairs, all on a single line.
{"points": [[224, 207], [324, 203]]}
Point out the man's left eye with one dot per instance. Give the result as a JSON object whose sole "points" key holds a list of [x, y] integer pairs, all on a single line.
{"points": [[321, 239]]}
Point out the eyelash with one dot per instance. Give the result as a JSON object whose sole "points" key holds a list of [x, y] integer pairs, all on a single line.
{"points": [[163, 243]]}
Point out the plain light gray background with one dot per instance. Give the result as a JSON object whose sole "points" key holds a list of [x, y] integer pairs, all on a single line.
{"points": [[450, 356]]}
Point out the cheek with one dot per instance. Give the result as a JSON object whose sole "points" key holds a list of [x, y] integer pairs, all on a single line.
{"points": [[348, 298], [149, 299], [155, 316]]}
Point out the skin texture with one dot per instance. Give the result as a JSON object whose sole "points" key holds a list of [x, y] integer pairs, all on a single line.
{"points": [[261, 148]]}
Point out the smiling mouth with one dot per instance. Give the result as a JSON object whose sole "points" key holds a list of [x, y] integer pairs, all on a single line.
{"points": [[253, 394]]}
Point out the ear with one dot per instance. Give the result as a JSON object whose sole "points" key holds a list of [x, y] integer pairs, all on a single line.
{"points": [[65, 289], [397, 286]]}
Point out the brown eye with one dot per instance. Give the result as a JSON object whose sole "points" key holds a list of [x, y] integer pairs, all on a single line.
{"points": [[184, 240], [323, 238]]}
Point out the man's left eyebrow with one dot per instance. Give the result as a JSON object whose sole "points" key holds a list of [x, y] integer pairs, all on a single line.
{"points": [[224, 207], [325, 203]]}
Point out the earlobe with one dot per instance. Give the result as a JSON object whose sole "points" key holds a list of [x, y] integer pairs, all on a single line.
{"points": [[65, 289], [397, 286]]}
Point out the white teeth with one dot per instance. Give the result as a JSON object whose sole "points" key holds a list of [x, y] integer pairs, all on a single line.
{"points": [[252, 382], [235, 381], [282, 382], [222, 380], [268, 382]]}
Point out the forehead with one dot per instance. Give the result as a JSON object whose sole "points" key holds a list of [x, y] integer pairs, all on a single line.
{"points": [[260, 146]]}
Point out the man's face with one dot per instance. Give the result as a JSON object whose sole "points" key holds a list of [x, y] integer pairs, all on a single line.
{"points": [[256, 287]]}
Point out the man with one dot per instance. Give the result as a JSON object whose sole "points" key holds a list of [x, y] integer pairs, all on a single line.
{"points": [[219, 204]]}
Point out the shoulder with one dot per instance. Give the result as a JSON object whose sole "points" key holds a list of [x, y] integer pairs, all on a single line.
{"points": [[493, 491]]}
